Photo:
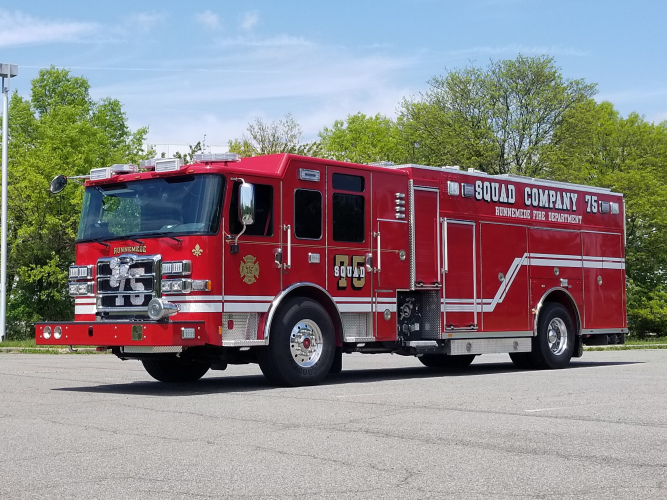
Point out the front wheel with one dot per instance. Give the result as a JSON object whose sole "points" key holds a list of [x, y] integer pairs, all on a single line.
{"points": [[554, 344], [302, 344], [175, 370]]}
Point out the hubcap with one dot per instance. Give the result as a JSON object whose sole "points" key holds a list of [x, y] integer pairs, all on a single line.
{"points": [[557, 336], [306, 343]]}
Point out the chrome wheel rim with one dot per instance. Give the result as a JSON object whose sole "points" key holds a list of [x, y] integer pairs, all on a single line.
{"points": [[557, 336], [306, 343]]}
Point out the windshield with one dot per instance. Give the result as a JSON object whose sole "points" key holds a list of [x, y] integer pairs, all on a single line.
{"points": [[181, 205]]}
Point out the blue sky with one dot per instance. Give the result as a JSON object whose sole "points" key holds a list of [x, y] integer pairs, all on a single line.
{"points": [[189, 69]]}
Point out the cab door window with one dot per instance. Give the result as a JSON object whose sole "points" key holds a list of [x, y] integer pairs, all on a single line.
{"points": [[263, 225], [307, 214]]}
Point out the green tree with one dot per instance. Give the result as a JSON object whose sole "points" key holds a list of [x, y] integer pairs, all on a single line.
{"points": [[59, 130], [364, 139], [596, 146], [497, 120], [279, 136]]}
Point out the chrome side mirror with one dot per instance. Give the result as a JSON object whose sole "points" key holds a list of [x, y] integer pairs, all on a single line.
{"points": [[58, 184], [246, 204]]}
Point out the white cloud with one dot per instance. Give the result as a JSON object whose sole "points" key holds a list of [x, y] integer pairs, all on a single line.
{"points": [[226, 90], [22, 29], [277, 41], [209, 19], [145, 22], [250, 19]]}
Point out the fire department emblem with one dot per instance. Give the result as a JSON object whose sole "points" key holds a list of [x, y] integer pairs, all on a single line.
{"points": [[197, 250], [249, 269]]}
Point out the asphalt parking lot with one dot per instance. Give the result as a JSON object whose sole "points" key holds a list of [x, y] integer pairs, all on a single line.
{"points": [[92, 426]]}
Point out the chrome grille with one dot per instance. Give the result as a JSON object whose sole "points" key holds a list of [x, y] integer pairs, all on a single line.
{"points": [[127, 283]]}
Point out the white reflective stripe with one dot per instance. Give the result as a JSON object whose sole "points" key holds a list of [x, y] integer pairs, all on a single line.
{"points": [[534, 259], [191, 298], [248, 298], [352, 299], [245, 307], [85, 309], [359, 308], [555, 262], [201, 307], [85, 300]]}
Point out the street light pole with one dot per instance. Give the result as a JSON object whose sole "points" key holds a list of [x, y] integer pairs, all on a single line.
{"points": [[7, 71]]}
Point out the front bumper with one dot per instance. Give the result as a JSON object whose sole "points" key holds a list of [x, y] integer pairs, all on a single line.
{"points": [[123, 333]]}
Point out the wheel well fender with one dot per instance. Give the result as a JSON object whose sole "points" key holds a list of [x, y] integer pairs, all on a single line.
{"points": [[561, 296], [311, 291]]}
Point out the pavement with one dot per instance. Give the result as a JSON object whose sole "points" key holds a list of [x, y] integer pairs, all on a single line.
{"points": [[89, 427]]}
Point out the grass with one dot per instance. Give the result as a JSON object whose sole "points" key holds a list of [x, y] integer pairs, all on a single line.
{"points": [[29, 347], [646, 341], [18, 343]]}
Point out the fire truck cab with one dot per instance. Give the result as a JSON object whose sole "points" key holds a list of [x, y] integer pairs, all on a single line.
{"points": [[289, 262]]}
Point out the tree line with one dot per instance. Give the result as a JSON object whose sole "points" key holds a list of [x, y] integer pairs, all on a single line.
{"points": [[518, 116]]}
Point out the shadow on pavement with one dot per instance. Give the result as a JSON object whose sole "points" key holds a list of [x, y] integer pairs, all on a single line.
{"points": [[221, 384]]}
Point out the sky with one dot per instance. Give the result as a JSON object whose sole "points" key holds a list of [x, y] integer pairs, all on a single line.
{"points": [[203, 70]]}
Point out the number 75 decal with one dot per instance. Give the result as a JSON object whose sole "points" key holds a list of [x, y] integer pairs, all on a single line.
{"points": [[346, 271]]}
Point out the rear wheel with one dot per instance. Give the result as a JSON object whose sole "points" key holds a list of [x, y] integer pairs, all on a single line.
{"points": [[302, 344], [444, 361], [554, 344], [175, 370]]}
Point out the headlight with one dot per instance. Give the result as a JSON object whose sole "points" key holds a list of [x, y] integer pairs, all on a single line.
{"points": [[77, 288], [179, 267], [79, 272], [47, 332], [57, 332], [176, 286]]}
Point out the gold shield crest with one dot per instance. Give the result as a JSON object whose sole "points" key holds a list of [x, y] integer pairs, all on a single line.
{"points": [[249, 269]]}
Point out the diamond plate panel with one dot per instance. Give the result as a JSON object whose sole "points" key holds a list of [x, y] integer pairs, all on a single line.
{"points": [[355, 325], [151, 349], [244, 326]]}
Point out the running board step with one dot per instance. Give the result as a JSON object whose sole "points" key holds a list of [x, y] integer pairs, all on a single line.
{"points": [[488, 346]]}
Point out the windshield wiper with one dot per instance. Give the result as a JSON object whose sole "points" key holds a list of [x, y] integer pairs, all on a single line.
{"points": [[166, 234], [96, 240]]}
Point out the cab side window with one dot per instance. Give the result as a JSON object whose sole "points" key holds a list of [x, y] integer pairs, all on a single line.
{"points": [[307, 214], [263, 225], [348, 209]]}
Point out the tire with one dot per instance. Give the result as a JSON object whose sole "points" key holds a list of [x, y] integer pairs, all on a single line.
{"points": [[302, 344], [554, 344], [445, 361], [175, 370], [522, 360]]}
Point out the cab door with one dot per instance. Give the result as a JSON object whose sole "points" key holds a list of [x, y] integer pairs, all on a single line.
{"points": [[251, 278], [303, 258], [349, 238]]}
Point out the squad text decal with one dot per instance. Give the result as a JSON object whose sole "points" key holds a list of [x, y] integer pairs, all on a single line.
{"points": [[347, 271]]}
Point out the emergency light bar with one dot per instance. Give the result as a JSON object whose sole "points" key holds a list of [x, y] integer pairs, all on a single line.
{"points": [[215, 157], [162, 164], [97, 174]]}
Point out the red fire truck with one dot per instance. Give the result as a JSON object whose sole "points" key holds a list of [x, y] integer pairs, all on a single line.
{"points": [[289, 262]]}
